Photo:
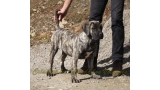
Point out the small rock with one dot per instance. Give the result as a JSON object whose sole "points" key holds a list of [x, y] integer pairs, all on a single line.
{"points": [[34, 10], [61, 24], [60, 2], [32, 14], [86, 83], [79, 12], [33, 34], [43, 7]]}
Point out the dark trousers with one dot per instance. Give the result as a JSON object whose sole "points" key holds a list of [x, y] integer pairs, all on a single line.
{"points": [[96, 13]]}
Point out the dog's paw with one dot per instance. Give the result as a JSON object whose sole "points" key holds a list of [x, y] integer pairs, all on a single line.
{"points": [[75, 80], [96, 77], [50, 73]]}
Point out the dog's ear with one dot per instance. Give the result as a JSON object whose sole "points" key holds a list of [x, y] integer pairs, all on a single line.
{"points": [[85, 28]]}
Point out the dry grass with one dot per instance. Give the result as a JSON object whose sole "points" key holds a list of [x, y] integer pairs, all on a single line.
{"points": [[42, 11]]}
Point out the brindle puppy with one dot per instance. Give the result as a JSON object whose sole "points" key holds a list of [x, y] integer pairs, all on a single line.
{"points": [[78, 46]]}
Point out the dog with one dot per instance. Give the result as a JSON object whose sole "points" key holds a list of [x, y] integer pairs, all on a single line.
{"points": [[78, 46]]}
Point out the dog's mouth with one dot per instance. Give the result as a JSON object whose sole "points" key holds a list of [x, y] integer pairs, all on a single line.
{"points": [[97, 36], [101, 36]]}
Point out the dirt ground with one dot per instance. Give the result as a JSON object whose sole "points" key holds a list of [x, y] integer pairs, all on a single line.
{"points": [[39, 64]]}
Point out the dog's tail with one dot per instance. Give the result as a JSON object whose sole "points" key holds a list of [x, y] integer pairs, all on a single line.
{"points": [[57, 21]]}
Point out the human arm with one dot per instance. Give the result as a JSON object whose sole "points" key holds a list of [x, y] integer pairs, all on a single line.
{"points": [[64, 9]]}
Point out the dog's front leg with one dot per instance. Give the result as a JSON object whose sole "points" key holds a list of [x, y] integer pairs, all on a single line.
{"points": [[74, 68], [90, 66]]}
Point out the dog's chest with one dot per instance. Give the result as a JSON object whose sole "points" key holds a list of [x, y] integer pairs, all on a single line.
{"points": [[85, 54], [88, 54]]}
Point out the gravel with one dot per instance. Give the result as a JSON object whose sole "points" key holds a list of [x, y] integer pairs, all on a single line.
{"points": [[39, 64]]}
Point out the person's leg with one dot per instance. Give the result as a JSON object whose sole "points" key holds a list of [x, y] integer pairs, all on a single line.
{"points": [[97, 9], [117, 7], [96, 12]]}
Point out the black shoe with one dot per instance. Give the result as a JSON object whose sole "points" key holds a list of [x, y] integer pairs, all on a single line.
{"points": [[82, 71], [84, 68], [117, 68]]}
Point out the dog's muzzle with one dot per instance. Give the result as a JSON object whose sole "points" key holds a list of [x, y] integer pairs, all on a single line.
{"points": [[101, 35]]}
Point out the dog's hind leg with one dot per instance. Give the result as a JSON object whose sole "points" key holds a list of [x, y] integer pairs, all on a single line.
{"points": [[54, 50], [63, 69]]}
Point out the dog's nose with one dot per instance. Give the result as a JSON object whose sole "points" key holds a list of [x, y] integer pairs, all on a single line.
{"points": [[100, 35]]}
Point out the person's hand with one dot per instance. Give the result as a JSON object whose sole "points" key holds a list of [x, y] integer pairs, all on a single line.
{"points": [[61, 14]]}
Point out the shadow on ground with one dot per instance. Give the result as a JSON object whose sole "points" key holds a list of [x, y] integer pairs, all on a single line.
{"points": [[104, 72]]}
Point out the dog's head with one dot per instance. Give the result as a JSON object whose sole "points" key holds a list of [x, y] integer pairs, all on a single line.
{"points": [[93, 29]]}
